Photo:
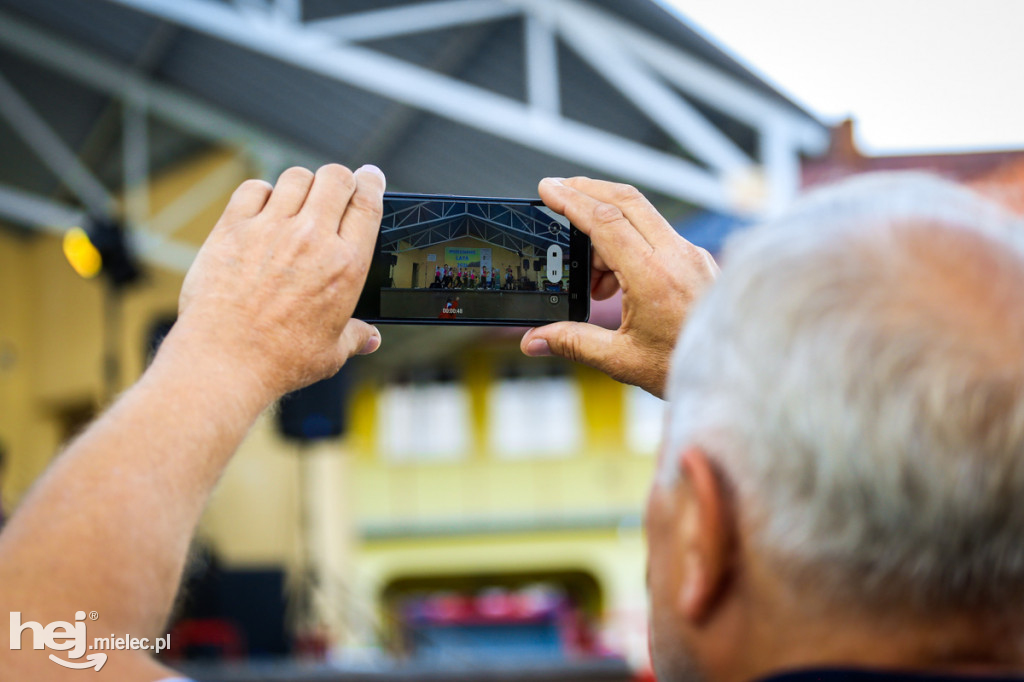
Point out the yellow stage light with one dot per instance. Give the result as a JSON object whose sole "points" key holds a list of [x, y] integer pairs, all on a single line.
{"points": [[83, 256]]}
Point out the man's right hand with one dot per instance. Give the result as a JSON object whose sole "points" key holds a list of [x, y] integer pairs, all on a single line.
{"points": [[660, 273]]}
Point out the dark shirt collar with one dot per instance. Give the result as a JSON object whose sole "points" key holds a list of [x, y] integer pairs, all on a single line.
{"points": [[868, 675]]}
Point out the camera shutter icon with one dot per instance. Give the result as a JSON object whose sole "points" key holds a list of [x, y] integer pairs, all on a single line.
{"points": [[554, 263]]}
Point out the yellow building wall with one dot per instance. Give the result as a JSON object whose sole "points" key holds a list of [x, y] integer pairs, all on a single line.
{"points": [[613, 557], [428, 519], [603, 476], [18, 301]]}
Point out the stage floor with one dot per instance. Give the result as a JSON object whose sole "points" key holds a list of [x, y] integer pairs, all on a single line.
{"points": [[435, 304], [605, 670]]}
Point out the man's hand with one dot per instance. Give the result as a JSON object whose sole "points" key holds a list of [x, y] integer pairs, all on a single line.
{"points": [[275, 284], [660, 273], [265, 309]]}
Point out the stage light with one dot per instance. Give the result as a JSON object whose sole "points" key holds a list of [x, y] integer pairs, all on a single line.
{"points": [[102, 248], [84, 258]]}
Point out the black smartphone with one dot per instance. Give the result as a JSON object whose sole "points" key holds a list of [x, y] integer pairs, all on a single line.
{"points": [[477, 261]]}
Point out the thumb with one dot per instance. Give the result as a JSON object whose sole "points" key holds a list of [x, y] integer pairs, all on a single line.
{"points": [[576, 341], [358, 338]]}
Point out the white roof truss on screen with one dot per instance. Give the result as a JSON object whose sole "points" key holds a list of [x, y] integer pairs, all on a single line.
{"points": [[427, 223]]}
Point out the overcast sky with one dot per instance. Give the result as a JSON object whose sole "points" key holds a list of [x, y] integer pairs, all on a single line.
{"points": [[918, 75]]}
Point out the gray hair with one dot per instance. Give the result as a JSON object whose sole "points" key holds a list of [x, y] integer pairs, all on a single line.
{"points": [[857, 375]]}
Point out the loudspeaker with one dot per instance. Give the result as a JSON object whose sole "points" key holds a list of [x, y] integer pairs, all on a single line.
{"points": [[315, 412], [537, 266], [526, 264], [119, 263], [393, 259]]}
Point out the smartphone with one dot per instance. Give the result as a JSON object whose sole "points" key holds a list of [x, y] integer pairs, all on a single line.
{"points": [[475, 261]]}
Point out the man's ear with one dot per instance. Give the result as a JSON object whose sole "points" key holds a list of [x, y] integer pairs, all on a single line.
{"points": [[709, 542]]}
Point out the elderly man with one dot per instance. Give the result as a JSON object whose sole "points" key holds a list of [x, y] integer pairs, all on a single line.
{"points": [[837, 491], [841, 481]]}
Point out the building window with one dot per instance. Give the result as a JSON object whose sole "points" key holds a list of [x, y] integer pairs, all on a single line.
{"points": [[645, 419], [534, 415], [424, 419]]}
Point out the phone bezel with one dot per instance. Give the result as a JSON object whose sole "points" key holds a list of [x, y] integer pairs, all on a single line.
{"points": [[368, 307]]}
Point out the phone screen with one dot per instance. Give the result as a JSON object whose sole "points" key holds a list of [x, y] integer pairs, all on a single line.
{"points": [[476, 260]]}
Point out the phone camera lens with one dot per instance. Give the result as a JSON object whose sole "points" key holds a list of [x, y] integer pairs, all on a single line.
{"points": [[575, 264], [553, 300], [555, 227]]}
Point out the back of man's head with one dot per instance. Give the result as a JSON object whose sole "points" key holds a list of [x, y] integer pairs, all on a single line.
{"points": [[857, 375]]}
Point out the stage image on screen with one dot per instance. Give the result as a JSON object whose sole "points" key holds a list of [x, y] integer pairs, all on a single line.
{"points": [[464, 260]]}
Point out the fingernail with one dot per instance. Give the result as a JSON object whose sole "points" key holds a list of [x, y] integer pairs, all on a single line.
{"points": [[553, 181], [372, 343], [370, 168], [538, 348]]}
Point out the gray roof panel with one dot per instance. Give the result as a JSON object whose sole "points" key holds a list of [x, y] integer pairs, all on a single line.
{"points": [[421, 152], [114, 30], [68, 108]]}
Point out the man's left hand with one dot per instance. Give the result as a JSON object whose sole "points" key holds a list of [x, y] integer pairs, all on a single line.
{"points": [[274, 286]]}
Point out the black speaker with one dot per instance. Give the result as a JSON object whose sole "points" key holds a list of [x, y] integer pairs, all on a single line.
{"points": [[526, 264], [537, 266], [393, 259], [119, 262], [315, 412]]}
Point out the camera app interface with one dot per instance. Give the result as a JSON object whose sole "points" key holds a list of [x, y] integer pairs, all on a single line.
{"points": [[452, 259]]}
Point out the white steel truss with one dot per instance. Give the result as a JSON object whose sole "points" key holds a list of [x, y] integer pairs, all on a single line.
{"points": [[151, 234], [427, 223], [644, 67], [51, 150], [188, 113], [39, 212], [414, 18]]}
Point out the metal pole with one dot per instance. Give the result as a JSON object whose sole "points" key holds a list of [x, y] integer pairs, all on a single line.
{"points": [[136, 160]]}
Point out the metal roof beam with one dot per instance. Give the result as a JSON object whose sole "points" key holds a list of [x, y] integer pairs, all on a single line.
{"points": [[36, 212], [723, 92], [158, 250], [53, 151], [421, 233], [418, 18], [782, 168], [185, 112], [288, 10], [188, 205], [542, 77], [427, 239], [447, 97], [423, 216], [40, 213], [398, 120], [667, 109], [135, 152]]}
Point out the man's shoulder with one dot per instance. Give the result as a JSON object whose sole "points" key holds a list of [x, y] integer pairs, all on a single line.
{"points": [[878, 675]]}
